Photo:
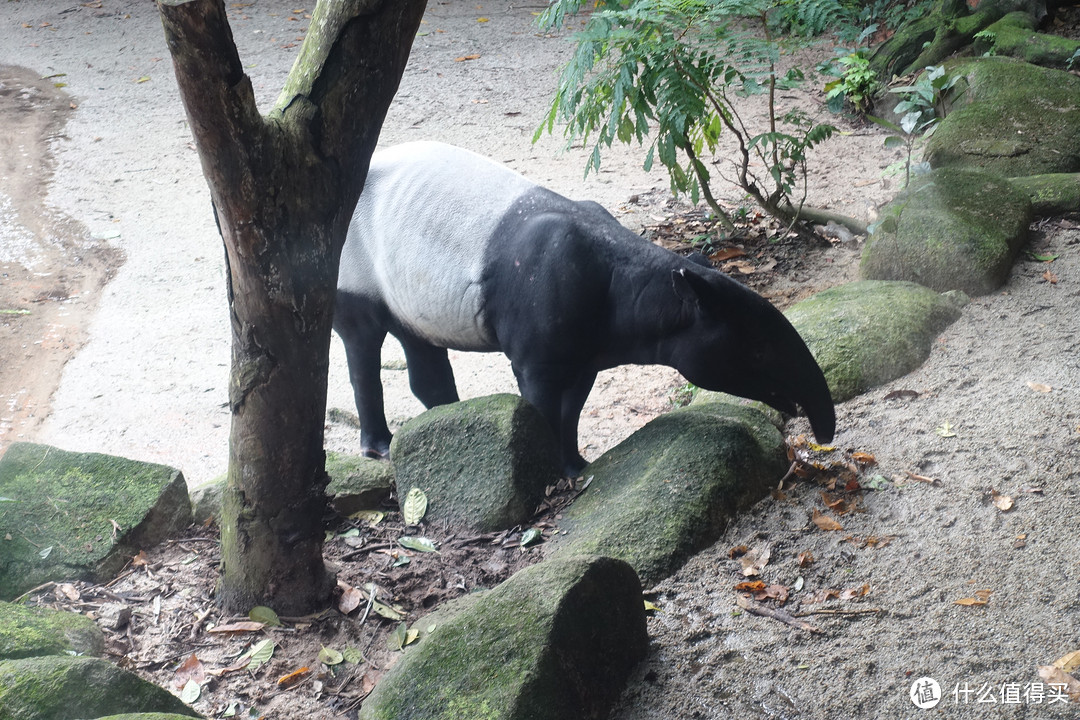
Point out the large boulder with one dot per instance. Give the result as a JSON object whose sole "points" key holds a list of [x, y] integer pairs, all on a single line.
{"points": [[867, 333], [554, 642], [482, 463], [81, 515], [1013, 119], [669, 489], [952, 229], [29, 631], [59, 687]]}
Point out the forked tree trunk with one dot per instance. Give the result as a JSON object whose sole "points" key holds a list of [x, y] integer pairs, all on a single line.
{"points": [[284, 187]]}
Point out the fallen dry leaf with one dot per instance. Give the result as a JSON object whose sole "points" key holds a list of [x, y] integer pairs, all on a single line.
{"points": [[190, 670], [839, 505], [287, 681], [864, 458], [852, 593], [969, 601], [1050, 277], [1069, 662], [237, 627], [754, 560], [1039, 387], [750, 586], [350, 598], [805, 559], [1057, 676], [824, 521], [463, 58], [1001, 502], [738, 551]]}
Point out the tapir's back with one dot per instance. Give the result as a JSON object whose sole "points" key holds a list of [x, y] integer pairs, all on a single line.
{"points": [[419, 234]]}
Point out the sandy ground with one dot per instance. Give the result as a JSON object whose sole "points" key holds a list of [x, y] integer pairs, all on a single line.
{"points": [[150, 378]]}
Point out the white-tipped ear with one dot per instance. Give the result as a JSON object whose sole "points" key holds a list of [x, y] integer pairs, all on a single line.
{"points": [[682, 281]]}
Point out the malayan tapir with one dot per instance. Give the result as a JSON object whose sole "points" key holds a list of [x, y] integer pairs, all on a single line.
{"points": [[447, 249]]}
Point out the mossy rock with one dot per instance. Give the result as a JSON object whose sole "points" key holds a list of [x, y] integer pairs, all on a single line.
{"points": [[1053, 194], [952, 229], [59, 687], [554, 642], [59, 510], [29, 631], [669, 489], [483, 463], [357, 483], [867, 333], [1015, 36], [1013, 119]]}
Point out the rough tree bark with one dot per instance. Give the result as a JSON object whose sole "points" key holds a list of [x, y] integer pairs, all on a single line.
{"points": [[283, 188]]}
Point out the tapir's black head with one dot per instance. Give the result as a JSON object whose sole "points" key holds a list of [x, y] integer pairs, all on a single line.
{"points": [[736, 342]]}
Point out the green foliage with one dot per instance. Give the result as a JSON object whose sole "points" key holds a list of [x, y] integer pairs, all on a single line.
{"points": [[922, 108], [856, 83], [667, 74], [810, 18]]}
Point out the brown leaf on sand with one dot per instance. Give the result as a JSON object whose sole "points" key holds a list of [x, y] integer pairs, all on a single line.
{"points": [[1057, 677], [754, 560], [1001, 502], [824, 521]]}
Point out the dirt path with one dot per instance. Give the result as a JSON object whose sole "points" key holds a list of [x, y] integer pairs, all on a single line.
{"points": [[150, 382]]}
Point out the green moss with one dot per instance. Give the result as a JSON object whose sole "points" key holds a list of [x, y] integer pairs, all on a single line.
{"points": [[1019, 120], [555, 641], [1014, 36], [63, 507], [484, 463], [866, 333], [61, 687], [667, 490], [357, 483], [26, 632], [1052, 194], [953, 229]]}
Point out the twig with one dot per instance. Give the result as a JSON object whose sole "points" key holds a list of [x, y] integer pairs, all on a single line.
{"points": [[29, 592], [755, 609], [866, 611]]}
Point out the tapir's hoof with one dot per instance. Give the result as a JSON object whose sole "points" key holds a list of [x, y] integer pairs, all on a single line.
{"points": [[376, 450], [573, 467]]}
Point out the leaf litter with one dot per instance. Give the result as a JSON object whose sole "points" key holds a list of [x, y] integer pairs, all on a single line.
{"points": [[322, 665]]}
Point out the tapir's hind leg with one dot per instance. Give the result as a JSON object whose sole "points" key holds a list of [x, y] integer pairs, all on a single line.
{"points": [[431, 378], [363, 338]]}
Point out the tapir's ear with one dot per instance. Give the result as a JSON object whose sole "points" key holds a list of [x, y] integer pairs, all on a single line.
{"points": [[688, 286]]}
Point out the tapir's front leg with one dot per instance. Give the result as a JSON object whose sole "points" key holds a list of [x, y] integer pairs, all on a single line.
{"points": [[556, 391]]}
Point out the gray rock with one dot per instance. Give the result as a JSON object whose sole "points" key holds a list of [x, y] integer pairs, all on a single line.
{"points": [[668, 490], [483, 463], [951, 230], [60, 508], [1013, 119], [206, 501], [60, 687], [867, 333], [357, 483], [554, 642], [29, 631]]}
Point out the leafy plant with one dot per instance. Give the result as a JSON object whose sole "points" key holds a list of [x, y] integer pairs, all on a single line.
{"points": [[668, 74], [856, 82], [922, 108]]}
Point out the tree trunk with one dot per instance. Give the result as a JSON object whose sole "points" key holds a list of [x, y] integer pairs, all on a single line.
{"points": [[283, 189]]}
